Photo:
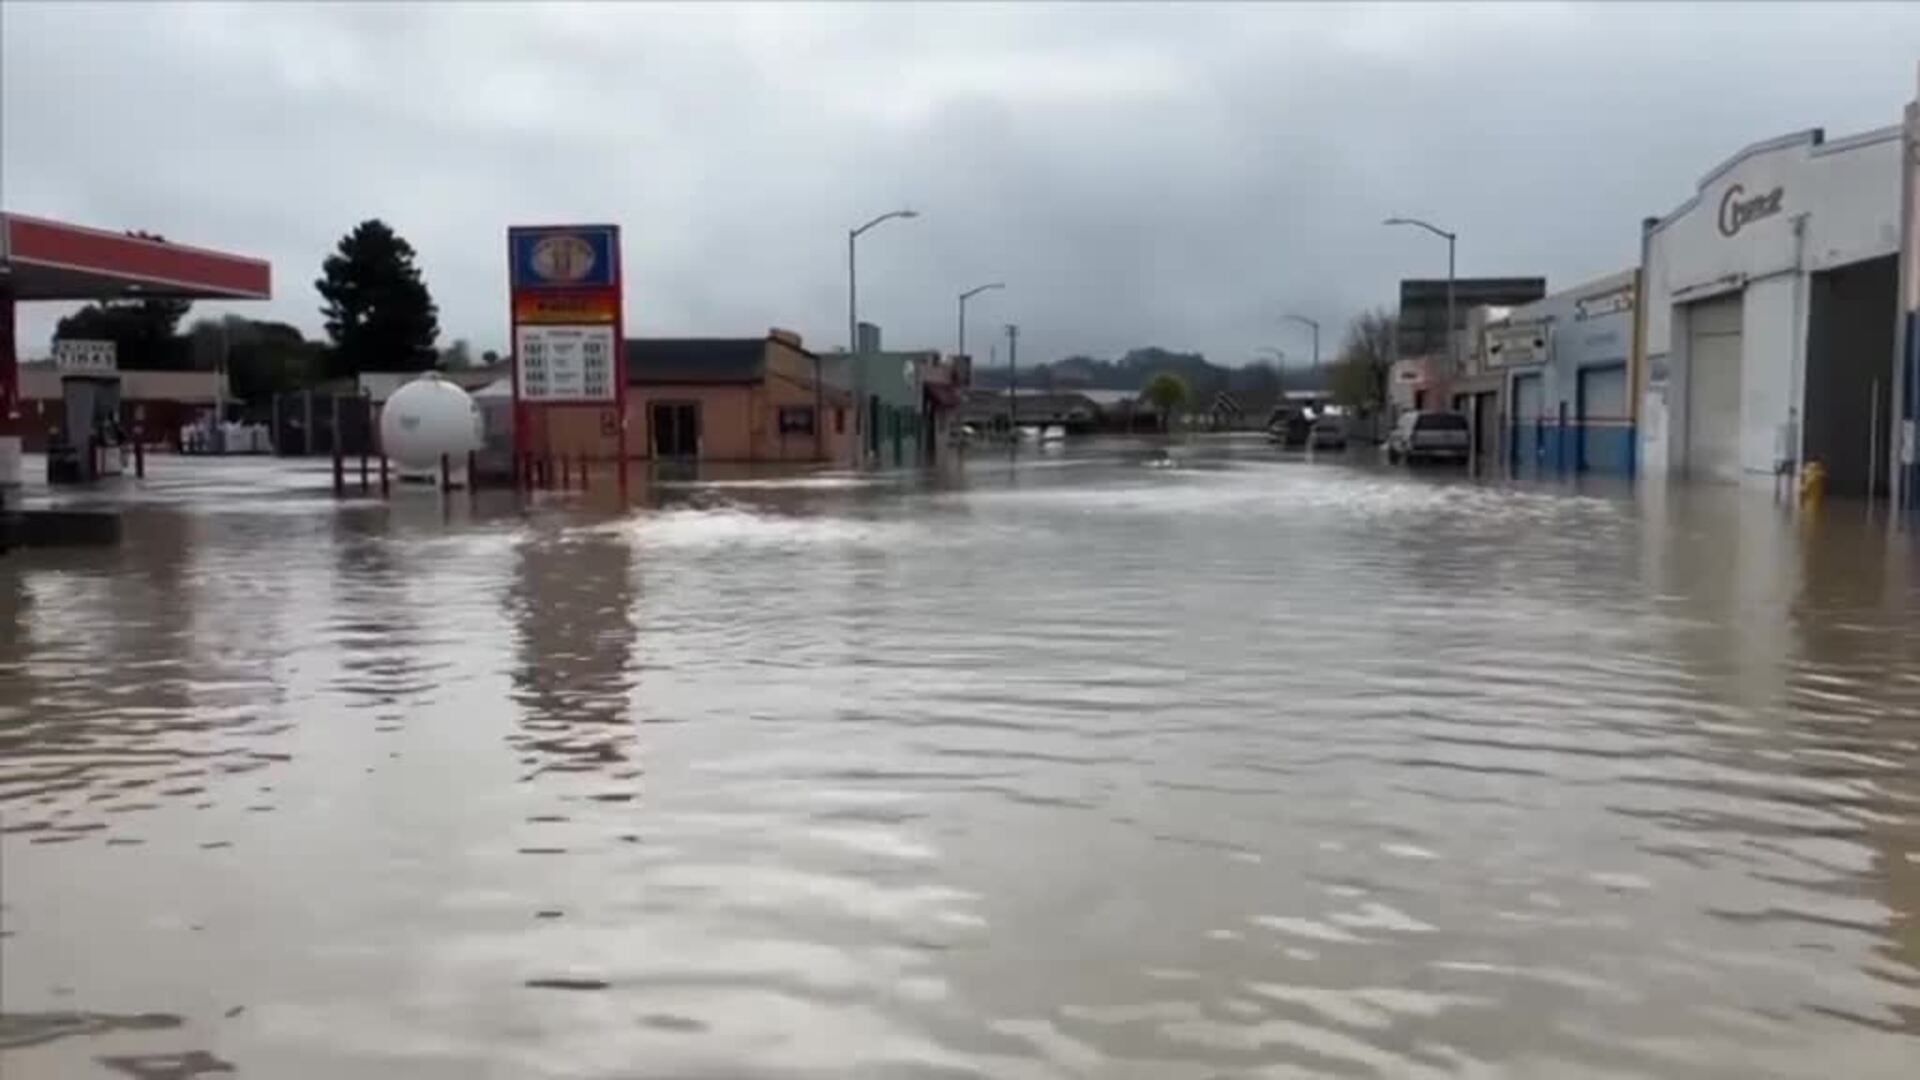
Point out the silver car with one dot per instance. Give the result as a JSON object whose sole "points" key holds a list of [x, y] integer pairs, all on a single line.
{"points": [[1429, 436], [1328, 433]]}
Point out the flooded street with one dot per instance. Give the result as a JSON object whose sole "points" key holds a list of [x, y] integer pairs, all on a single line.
{"points": [[1246, 768]]}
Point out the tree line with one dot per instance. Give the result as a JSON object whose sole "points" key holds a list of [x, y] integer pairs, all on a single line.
{"points": [[378, 313]]}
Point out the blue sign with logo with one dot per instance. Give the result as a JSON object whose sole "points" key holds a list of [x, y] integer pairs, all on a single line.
{"points": [[564, 257]]}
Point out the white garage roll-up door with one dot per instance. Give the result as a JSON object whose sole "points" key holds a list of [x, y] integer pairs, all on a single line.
{"points": [[1713, 389]]}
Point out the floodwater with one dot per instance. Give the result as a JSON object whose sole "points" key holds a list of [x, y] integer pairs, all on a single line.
{"points": [[1082, 768]]}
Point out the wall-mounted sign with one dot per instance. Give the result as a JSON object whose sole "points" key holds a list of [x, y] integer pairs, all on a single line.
{"points": [[1516, 346], [565, 364], [1738, 209], [86, 357], [1592, 307]]}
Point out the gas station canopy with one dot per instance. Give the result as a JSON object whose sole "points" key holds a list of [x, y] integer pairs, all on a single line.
{"points": [[50, 260]]}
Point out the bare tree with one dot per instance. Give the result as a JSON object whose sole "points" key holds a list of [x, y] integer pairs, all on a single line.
{"points": [[1366, 361]]}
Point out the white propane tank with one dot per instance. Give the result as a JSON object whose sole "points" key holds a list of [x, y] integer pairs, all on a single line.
{"points": [[425, 420]]}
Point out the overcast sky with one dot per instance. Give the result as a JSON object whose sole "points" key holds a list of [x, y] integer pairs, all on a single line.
{"points": [[1174, 175]]}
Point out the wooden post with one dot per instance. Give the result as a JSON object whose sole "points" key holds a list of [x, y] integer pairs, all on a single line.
{"points": [[583, 472], [364, 487], [339, 471], [139, 456], [566, 472], [384, 489], [473, 473], [446, 473]]}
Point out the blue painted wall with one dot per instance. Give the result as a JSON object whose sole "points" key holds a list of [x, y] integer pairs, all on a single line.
{"points": [[1549, 448], [1588, 330]]}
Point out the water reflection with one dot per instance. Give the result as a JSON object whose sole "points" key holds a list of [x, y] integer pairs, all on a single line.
{"points": [[1085, 765], [573, 605]]}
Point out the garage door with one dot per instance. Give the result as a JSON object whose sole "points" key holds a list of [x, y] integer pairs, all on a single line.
{"points": [[1602, 403], [1713, 389], [1528, 401]]}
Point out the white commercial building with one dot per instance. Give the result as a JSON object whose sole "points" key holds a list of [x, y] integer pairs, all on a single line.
{"points": [[1772, 315], [1907, 477]]}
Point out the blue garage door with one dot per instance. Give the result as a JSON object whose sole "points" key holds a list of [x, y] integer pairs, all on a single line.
{"points": [[1603, 418]]}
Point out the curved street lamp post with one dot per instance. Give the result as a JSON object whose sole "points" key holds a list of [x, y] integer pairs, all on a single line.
{"points": [[853, 326], [964, 297], [1453, 357], [1316, 335]]}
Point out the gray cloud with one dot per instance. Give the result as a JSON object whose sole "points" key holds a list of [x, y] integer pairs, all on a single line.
{"points": [[1177, 175]]}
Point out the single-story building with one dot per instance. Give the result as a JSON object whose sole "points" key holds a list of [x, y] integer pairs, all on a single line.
{"points": [[1772, 313], [905, 398], [157, 404], [1565, 366], [749, 399]]}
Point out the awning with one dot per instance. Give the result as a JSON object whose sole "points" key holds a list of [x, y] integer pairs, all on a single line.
{"points": [[944, 395], [51, 260]]}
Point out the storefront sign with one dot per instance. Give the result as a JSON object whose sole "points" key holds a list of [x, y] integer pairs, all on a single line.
{"points": [[1592, 307], [1737, 209], [1516, 346], [86, 357]]}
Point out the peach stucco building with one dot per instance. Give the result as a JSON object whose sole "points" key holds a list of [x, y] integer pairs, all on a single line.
{"points": [[712, 399]]}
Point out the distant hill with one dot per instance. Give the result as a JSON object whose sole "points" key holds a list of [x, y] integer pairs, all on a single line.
{"points": [[1132, 370]]}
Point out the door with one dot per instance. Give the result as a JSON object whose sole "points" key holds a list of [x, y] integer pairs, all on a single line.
{"points": [[1601, 430], [1849, 390], [1713, 389], [1486, 425], [676, 429], [1529, 434]]}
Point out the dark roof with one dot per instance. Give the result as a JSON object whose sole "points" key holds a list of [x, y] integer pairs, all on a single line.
{"points": [[1468, 291], [696, 360]]}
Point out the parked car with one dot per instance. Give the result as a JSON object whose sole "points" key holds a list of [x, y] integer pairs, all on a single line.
{"points": [[1328, 433], [1429, 436], [1288, 430]]}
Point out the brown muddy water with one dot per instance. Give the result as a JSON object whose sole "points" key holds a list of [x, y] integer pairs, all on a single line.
{"points": [[1080, 768]]}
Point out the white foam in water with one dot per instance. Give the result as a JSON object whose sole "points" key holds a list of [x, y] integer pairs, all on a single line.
{"points": [[731, 527]]}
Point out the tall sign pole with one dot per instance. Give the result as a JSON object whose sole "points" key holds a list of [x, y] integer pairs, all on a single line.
{"points": [[569, 336]]}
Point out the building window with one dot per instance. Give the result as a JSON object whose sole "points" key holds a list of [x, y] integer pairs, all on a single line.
{"points": [[796, 420]]}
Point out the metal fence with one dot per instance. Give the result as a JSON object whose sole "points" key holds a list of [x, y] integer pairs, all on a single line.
{"points": [[309, 423]]}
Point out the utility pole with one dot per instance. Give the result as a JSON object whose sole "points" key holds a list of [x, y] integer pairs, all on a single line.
{"points": [[1013, 383]]}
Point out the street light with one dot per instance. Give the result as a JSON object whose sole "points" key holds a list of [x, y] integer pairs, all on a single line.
{"points": [[1316, 335], [1452, 349], [853, 330], [964, 297], [853, 316]]}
